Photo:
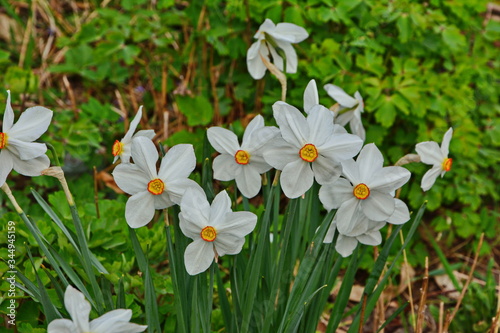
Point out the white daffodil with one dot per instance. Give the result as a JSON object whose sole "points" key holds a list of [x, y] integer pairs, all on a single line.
{"points": [[431, 153], [365, 231], [350, 109], [215, 230], [116, 321], [243, 163], [309, 148], [368, 189], [122, 149], [150, 189], [17, 149], [282, 35]]}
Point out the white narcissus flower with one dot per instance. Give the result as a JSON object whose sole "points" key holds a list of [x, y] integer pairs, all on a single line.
{"points": [[431, 153], [122, 149], [116, 321], [284, 34], [309, 148], [350, 109], [215, 230], [365, 231], [243, 163], [17, 149], [367, 189], [150, 189]]}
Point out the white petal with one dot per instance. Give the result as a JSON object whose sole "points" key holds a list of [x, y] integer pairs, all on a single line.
{"points": [[150, 134], [378, 206], [6, 165], [320, 122], [177, 188], [162, 201], [361, 104], [429, 152], [373, 238], [289, 32], [133, 124], [219, 208], [139, 209], [296, 178], [350, 171], [326, 170], [330, 233], [32, 124], [293, 125], [369, 162], [26, 150], [345, 245], [341, 146], [267, 26], [255, 66], [446, 142], [256, 123], [8, 116], [360, 225], [389, 179], [31, 168], [225, 167], [198, 256], [130, 178], [228, 244], [62, 326], [333, 195], [258, 163], [260, 138], [145, 155], [311, 97], [78, 308], [401, 213], [344, 117], [237, 224], [291, 57], [340, 96], [357, 128], [195, 213], [223, 140], [430, 177], [248, 181], [105, 322], [179, 162], [279, 153], [347, 216]]}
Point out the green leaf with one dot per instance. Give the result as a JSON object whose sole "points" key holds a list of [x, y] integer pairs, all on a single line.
{"points": [[198, 109], [454, 39], [386, 113]]}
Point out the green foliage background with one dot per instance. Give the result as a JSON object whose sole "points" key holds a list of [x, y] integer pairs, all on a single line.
{"points": [[420, 66]]}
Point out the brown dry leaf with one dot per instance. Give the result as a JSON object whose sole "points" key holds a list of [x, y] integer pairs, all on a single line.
{"points": [[446, 285], [6, 25], [109, 181], [407, 274]]}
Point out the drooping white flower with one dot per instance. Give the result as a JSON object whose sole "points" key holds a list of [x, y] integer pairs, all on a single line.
{"points": [[116, 321], [365, 231], [283, 34], [17, 149], [309, 148], [243, 163], [122, 149], [367, 189], [350, 109], [431, 153], [150, 189], [215, 229]]}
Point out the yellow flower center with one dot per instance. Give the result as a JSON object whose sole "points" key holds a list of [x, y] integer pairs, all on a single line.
{"points": [[361, 191], [117, 148], [3, 140], [308, 153], [208, 234], [242, 157], [447, 162], [156, 186]]}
